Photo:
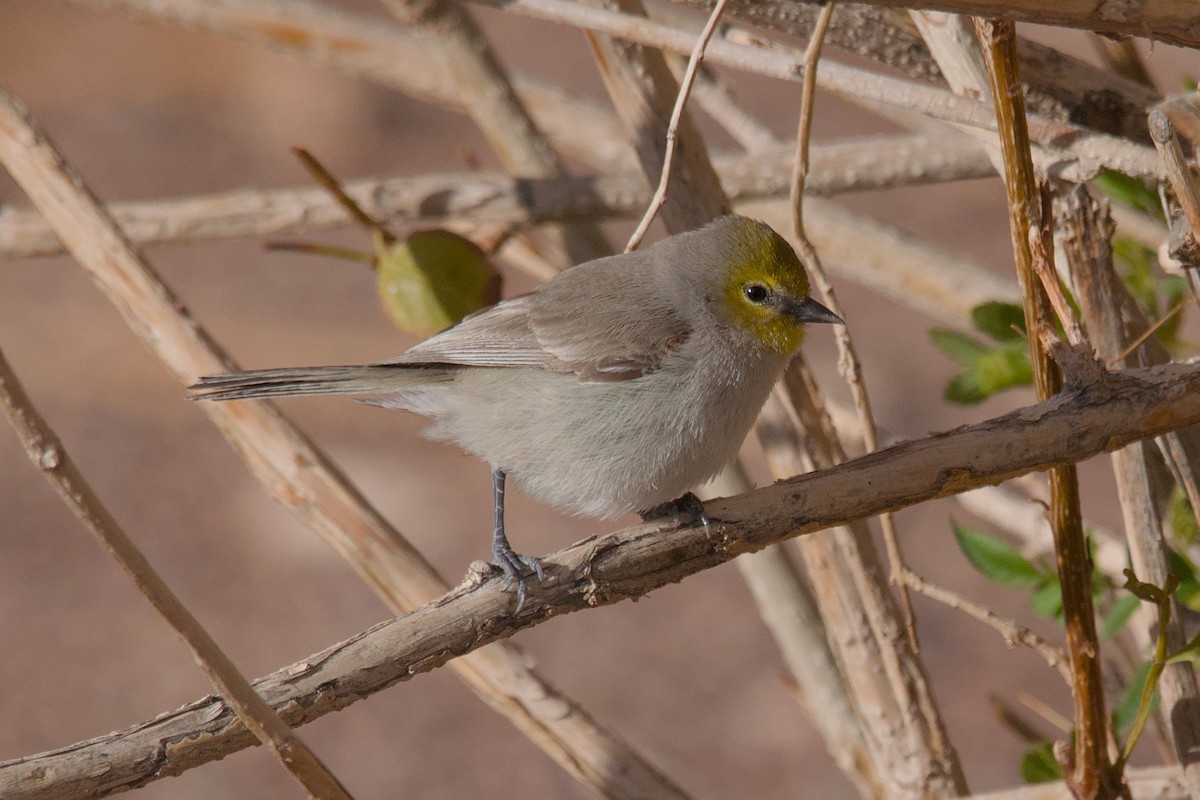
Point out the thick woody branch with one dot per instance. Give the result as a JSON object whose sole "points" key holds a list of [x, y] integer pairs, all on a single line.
{"points": [[1142, 482], [376, 51], [464, 53], [1114, 410], [302, 477], [1058, 86], [1065, 150], [1172, 21], [879, 34], [491, 198], [1088, 772], [47, 453]]}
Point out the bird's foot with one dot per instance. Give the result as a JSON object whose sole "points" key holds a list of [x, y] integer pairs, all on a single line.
{"points": [[514, 566], [682, 509]]}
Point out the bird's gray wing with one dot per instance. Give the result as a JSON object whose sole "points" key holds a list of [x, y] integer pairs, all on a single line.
{"points": [[497, 336], [603, 321], [608, 320]]}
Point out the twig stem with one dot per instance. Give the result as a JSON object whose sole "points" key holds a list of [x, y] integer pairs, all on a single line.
{"points": [[685, 88], [1090, 774], [848, 361], [47, 453]]}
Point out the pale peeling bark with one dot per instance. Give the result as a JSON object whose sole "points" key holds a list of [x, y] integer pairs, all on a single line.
{"points": [[1095, 414]]}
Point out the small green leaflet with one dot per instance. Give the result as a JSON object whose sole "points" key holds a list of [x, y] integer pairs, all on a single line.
{"points": [[987, 368], [1038, 764], [997, 559]]}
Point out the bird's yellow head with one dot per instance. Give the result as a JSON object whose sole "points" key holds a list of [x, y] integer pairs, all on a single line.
{"points": [[766, 288]]}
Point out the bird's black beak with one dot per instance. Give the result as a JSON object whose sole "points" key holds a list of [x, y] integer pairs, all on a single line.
{"points": [[809, 310]]}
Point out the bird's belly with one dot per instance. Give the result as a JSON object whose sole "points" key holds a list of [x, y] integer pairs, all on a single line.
{"points": [[602, 449]]}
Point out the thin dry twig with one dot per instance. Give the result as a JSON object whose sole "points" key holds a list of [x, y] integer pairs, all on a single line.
{"points": [[47, 453], [302, 477], [1115, 410], [1013, 633], [490, 198], [1141, 339], [1182, 180], [685, 88], [848, 361], [1141, 483], [369, 48], [489, 97], [1169, 21], [1070, 151], [1090, 774]]}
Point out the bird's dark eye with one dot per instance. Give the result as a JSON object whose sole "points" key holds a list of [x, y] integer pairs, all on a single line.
{"points": [[756, 293]]}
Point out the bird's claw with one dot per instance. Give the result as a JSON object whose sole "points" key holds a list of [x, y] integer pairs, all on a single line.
{"points": [[681, 509], [514, 566]]}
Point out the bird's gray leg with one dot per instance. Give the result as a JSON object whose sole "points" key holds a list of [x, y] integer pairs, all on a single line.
{"points": [[678, 509], [510, 562]]}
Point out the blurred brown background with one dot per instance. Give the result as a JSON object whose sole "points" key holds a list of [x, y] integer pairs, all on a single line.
{"points": [[688, 674]]}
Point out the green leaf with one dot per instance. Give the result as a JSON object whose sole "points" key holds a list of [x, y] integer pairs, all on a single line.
{"points": [[1189, 652], [996, 559], [1038, 765], [1188, 591], [1139, 276], [1126, 709], [1001, 367], [959, 348], [1129, 191], [1188, 594], [433, 279], [1180, 566], [1003, 322], [1118, 615], [1046, 600], [1182, 521]]}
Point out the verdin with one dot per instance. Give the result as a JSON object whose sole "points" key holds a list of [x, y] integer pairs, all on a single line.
{"points": [[614, 387]]}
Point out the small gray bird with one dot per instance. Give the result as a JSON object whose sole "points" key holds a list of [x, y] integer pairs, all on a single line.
{"points": [[614, 387]]}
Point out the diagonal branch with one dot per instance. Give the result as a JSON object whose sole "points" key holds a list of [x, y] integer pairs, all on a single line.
{"points": [[464, 53], [1114, 410], [302, 477], [1087, 231], [1068, 150], [371, 49], [1172, 21], [46, 451], [1088, 771], [853, 164]]}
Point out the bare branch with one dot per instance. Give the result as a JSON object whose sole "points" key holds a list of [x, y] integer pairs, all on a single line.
{"points": [[301, 476], [491, 198], [1141, 483], [1171, 21], [1058, 86], [464, 53], [1065, 150], [643, 92], [879, 34], [1090, 772], [685, 89], [1013, 633], [47, 453], [1117, 409], [376, 51]]}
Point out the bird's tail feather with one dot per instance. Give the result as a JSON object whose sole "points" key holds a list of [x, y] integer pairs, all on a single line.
{"points": [[378, 380]]}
